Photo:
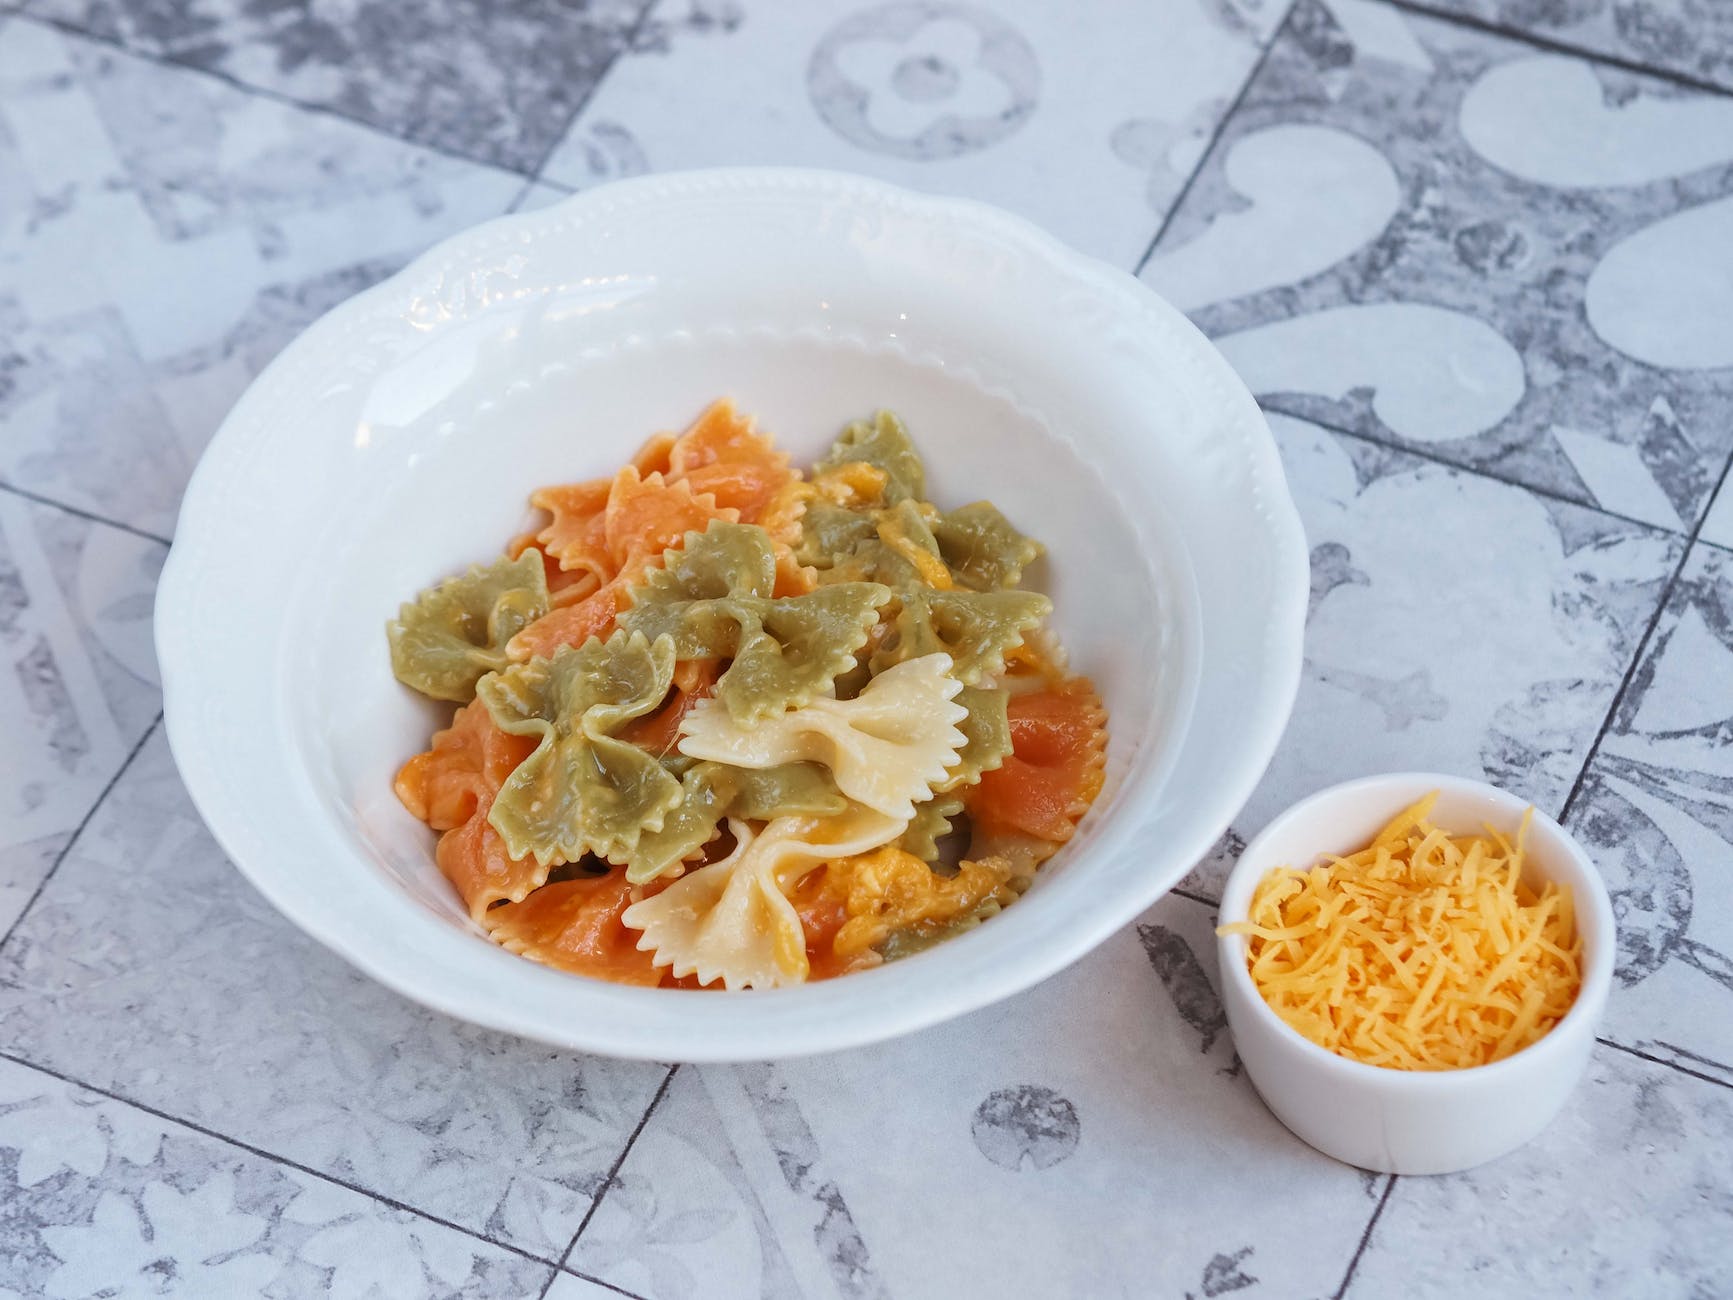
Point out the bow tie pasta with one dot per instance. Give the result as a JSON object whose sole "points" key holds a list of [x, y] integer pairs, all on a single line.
{"points": [[722, 724], [886, 748], [733, 921], [449, 636], [714, 597]]}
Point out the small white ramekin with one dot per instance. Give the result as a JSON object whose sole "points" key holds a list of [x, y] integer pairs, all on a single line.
{"points": [[1403, 1121]]}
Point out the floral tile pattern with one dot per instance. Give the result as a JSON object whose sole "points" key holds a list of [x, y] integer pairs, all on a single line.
{"points": [[1693, 38], [1652, 1144], [1009, 102], [492, 80], [1656, 811], [1532, 609], [77, 678], [104, 1200], [1453, 242], [161, 236], [1475, 281], [251, 1029], [1028, 1120]]}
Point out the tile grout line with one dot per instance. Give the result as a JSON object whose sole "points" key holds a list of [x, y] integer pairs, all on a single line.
{"points": [[1365, 1238], [1195, 897], [1203, 156], [1555, 46], [517, 201], [1642, 648], [1433, 458], [593, 1281], [627, 41], [529, 188], [234, 83], [613, 1173], [1643, 644], [1661, 1060], [80, 513], [273, 1158], [78, 830]]}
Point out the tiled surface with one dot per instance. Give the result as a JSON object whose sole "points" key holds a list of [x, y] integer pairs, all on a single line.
{"points": [[1011, 102], [538, 195], [492, 80], [1692, 38], [1479, 283], [1543, 603], [1102, 1097], [568, 1286], [1617, 1198], [162, 235], [77, 677], [105, 1200], [1657, 813], [149, 967], [1718, 525], [1453, 242]]}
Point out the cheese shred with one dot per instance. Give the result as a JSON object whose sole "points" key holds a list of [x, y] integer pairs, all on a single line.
{"points": [[1423, 951]]}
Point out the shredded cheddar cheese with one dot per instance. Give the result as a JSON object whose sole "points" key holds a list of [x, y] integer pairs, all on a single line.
{"points": [[1423, 951], [853, 484], [928, 567]]}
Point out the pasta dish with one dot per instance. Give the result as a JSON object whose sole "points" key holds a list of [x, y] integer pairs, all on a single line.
{"points": [[721, 723]]}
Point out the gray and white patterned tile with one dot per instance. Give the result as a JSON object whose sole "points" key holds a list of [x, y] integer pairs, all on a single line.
{"points": [[1105, 1106], [150, 968], [1458, 624], [1718, 523], [569, 1286], [1628, 1193], [1012, 102], [1656, 812], [492, 80], [1447, 240], [106, 1200], [78, 683], [1693, 38], [540, 195], [162, 235]]}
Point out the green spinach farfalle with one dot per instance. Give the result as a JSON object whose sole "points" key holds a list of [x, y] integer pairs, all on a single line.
{"points": [[982, 547], [986, 736], [975, 628], [986, 742], [444, 640], [953, 573], [712, 791], [884, 443], [582, 790], [713, 598]]}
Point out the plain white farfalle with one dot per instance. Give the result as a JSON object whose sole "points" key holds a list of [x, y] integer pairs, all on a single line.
{"points": [[732, 920], [886, 748]]}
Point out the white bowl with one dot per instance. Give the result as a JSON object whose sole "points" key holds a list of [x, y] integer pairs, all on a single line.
{"points": [[395, 441], [1403, 1121]]}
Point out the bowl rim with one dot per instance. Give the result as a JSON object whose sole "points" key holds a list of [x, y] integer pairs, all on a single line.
{"points": [[757, 1034], [1402, 789]]}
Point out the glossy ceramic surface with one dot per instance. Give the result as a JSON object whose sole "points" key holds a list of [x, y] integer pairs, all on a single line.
{"points": [[395, 441]]}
